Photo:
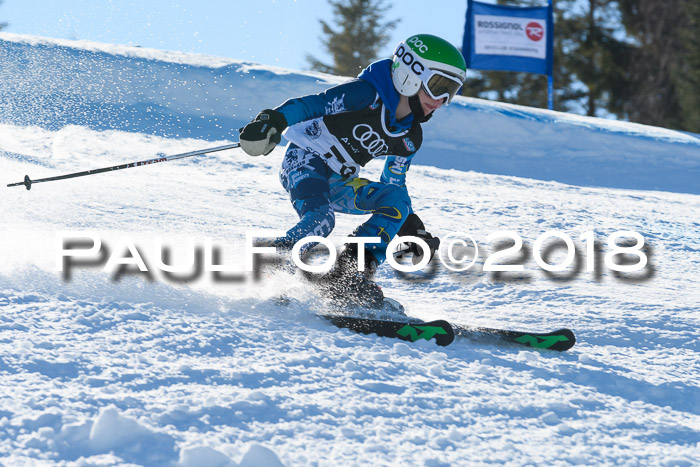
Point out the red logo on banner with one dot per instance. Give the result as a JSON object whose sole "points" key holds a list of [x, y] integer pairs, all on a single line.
{"points": [[534, 31]]}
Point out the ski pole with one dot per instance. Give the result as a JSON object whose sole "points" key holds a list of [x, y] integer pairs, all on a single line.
{"points": [[28, 181]]}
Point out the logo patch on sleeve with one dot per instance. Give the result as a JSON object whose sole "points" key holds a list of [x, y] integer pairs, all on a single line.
{"points": [[336, 106], [313, 129], [409, 145]]}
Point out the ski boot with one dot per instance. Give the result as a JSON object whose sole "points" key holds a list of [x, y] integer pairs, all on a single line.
{"points": [[346, 287]]}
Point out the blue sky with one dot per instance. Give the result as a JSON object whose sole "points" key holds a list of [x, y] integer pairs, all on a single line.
{"points": [[271, 32]]}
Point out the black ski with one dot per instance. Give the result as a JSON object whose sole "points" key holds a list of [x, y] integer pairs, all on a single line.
{"points": [[440, 331], [444, 333], [561, 339], [392, 322]]}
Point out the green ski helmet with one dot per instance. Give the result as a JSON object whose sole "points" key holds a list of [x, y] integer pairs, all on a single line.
{"points": [[429, 61]]}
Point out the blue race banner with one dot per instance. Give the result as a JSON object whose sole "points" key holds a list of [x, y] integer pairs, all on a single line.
{"points": [[509, 38]]}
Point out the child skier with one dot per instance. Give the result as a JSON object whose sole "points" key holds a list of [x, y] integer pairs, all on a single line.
{"points": [[335, 133]]}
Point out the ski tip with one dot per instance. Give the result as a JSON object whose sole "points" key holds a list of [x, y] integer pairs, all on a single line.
{"points": [[569, 334], [560, 340], [442, 338]]}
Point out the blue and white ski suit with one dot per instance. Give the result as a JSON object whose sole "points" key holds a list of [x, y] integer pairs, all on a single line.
{"points": [[331, 136]]}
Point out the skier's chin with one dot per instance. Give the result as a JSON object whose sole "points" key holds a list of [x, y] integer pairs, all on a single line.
{"points": [[427, 110]]}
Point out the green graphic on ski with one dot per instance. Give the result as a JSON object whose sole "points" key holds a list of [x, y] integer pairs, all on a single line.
{"points": [[439, 331], [561, 339]]}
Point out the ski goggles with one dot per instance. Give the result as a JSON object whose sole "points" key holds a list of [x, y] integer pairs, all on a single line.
{"points": [[440, 85]]}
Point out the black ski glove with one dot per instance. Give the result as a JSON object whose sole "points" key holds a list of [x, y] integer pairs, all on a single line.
{"points": [[264, 133], [414, 226]]}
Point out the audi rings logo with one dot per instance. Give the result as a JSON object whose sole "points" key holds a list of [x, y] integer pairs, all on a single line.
{"points": [[370, 140]]}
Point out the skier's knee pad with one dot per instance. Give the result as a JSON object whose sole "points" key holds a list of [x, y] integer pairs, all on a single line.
{"points": [[394, 203], [390, 205]]}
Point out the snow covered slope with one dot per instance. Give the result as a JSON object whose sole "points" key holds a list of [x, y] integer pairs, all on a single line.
{"points": [[96, 370]]}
